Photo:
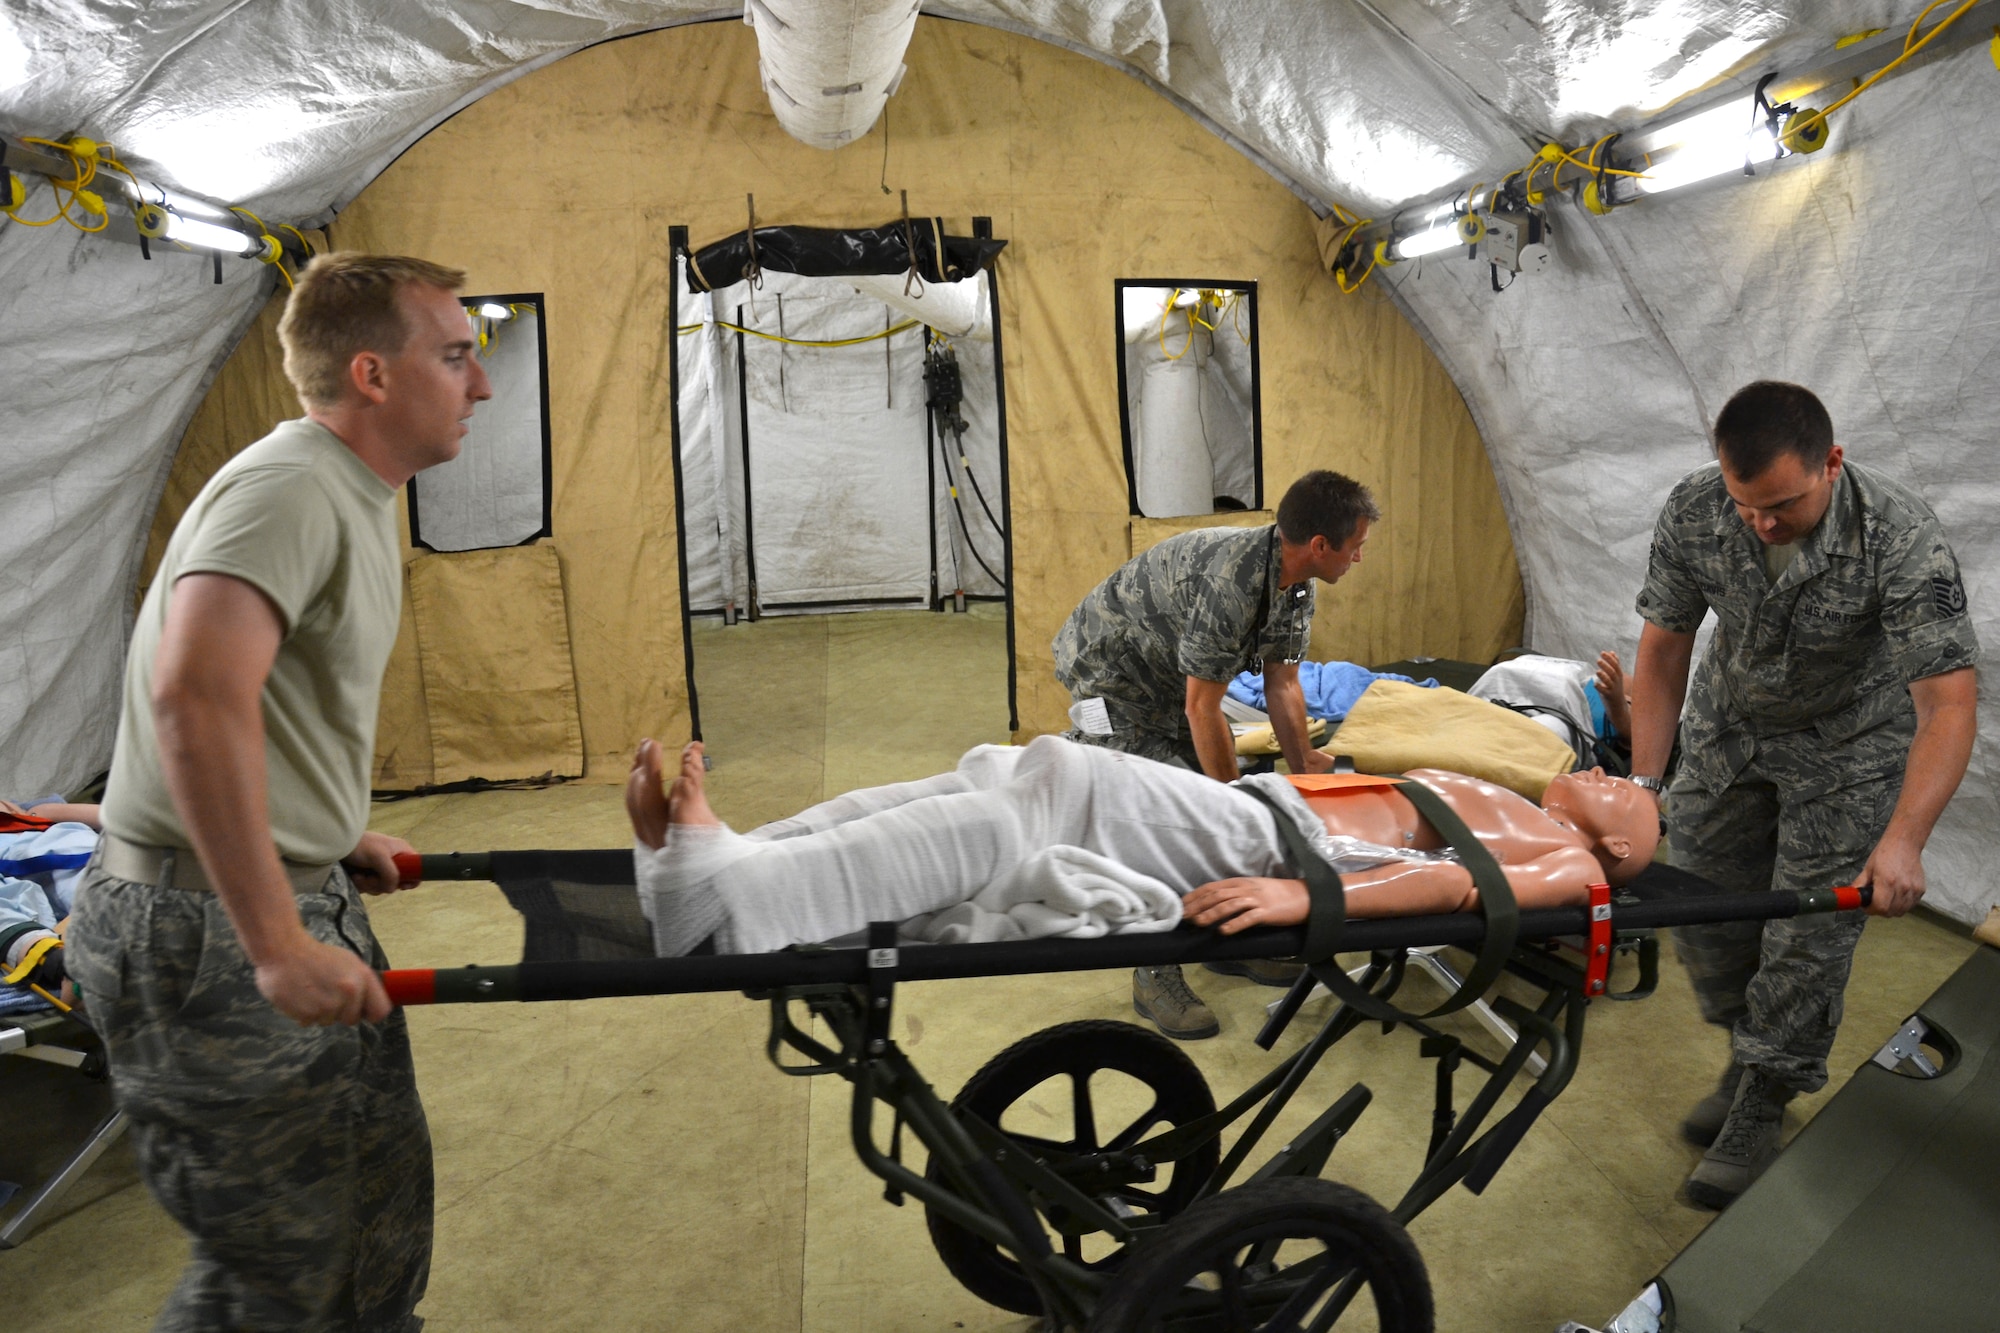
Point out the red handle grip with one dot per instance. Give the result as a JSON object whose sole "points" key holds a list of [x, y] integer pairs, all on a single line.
{"points": [[409, 868], [410, 985]]}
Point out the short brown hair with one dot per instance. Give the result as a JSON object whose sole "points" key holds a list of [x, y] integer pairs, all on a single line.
{"points": [[1770, 418], [345, 303], [1324, 504]]}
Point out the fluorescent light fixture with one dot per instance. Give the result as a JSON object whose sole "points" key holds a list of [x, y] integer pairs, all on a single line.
{"points": [[1434, 241], [208, 236], [492, 310], [15, 69], [1713, 143]]}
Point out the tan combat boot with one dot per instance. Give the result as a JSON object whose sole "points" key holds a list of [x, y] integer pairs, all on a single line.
{"points": [[1745, 1145], [1704, 1122], [1162, 994]]}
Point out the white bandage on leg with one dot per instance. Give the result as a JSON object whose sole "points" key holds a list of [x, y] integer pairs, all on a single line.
{"points": [[677, 888]]}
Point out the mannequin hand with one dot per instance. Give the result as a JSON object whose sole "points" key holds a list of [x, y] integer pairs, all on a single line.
{"points": [[1244, 901], [1896, 872], [645, 797]]}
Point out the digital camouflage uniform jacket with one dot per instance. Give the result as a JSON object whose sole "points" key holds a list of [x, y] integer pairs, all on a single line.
{"points": [[1205, 604], [1816, 666]]}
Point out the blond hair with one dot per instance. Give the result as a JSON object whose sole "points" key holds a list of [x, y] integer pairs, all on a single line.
{"points": [[344, 304]]}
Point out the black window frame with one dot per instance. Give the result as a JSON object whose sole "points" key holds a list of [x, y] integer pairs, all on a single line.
{"points": [[537, 300], [1248, 286]]}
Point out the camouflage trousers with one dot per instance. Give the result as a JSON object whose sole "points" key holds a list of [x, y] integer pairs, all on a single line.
{"points": [[1777, 985], [296, 1158], [1139, 731]]}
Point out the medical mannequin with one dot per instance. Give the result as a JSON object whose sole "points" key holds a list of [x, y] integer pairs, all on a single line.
{"points": [[896, 853]]}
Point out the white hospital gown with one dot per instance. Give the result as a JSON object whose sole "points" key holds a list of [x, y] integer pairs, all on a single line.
{"points": [[1050, 839]]}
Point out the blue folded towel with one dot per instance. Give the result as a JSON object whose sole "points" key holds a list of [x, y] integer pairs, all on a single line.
{"points": [[1331, 688]]}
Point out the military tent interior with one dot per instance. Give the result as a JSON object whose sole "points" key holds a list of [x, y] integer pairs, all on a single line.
{"points": [[718, 502]]}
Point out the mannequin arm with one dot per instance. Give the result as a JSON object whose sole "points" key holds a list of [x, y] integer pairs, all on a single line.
{"points": [[1558, 878], [1401, 888]]}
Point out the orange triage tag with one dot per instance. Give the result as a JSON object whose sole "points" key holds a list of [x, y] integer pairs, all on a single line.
{"points": [[1321, 784], [23, 823]]}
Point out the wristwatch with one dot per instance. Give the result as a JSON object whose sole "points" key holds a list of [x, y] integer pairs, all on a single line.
{"points": [[1653, 785]]}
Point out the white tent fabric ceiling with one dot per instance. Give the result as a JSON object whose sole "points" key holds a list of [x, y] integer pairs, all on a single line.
{"points": [[1868, 270]]}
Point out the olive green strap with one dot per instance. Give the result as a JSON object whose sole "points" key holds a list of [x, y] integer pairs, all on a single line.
{"points": [[1496, 895], [1327, 911]]}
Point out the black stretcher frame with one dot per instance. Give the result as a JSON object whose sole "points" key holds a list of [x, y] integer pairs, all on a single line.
{"points": [[997, 1189]]}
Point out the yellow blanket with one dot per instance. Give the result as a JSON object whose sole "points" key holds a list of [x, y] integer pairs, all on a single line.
{"points": [[1396, 727]]}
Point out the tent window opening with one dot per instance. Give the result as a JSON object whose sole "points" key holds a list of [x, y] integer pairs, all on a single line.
{"points": [[1188, 391], [496, 492]]}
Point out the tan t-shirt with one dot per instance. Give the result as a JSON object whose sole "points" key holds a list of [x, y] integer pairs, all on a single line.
{"points": [[299, 517], [1778, 559]]}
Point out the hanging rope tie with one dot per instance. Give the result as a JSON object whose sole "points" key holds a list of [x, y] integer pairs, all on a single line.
{"points": [[753, 270], [910, 240]]}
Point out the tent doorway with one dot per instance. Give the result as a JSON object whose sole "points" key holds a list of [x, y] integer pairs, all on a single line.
{"points": [[839, 435]]}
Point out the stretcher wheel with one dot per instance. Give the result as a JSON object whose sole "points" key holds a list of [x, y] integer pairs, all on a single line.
{"points": [[1271, 1255], [1073, 1053]]}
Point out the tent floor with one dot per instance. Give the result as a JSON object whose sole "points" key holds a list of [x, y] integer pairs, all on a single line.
{"points": [[636, 1164]]}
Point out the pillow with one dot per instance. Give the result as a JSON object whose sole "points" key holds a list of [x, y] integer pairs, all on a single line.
{"points": [[1395, 727]]}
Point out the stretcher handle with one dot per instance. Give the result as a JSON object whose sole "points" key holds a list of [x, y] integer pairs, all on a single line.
{"points": [[412, 868]]}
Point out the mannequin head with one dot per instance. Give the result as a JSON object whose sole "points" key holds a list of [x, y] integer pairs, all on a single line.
{"points": [[1620, 820]]}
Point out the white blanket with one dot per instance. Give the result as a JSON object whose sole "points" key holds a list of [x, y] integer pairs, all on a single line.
{"points": [[1059, 892]]}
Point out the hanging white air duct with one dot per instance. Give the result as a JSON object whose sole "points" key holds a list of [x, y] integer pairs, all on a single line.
{"points": [[829, 66], [956, 309], [1173, 469]]}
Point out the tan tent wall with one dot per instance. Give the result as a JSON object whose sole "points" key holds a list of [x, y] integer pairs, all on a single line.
{"points": [[565, 183]]}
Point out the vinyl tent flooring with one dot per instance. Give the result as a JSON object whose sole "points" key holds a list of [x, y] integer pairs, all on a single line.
{"points": [[636, 1164]]}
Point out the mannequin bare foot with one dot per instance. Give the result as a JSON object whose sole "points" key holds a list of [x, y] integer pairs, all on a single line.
{"points": [[687, 803], [1616, 691], [645, 799]]}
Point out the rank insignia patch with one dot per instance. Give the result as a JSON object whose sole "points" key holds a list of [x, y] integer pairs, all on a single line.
{"points": [[1948, 595]]}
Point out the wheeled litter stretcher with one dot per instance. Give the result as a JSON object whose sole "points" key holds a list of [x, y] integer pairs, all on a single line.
{"points": [[1146, 1224]]}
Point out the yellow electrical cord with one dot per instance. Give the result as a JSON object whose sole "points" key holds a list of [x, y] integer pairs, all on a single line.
{"points": [[1354, 223], [82, 154], [804, 342], [1167, 313], [272, 253], [1911, 45]]}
